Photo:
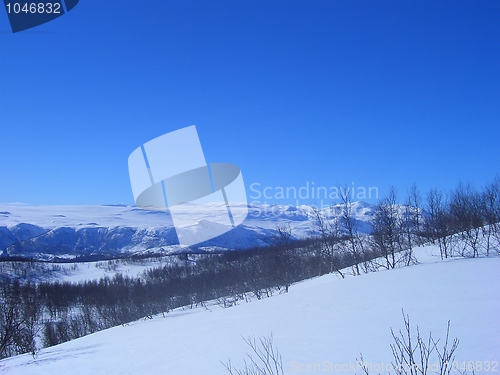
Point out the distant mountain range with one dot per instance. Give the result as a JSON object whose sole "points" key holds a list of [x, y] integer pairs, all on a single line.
{"points": [[99, 232]]}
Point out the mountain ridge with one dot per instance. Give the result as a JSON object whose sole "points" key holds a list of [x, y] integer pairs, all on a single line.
{"points": [[66, 232]]}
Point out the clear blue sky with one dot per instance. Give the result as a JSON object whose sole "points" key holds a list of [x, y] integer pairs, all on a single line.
{"points": [[377, 93]]}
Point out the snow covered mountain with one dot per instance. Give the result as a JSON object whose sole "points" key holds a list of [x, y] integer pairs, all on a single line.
{"points": [[66, 232]]}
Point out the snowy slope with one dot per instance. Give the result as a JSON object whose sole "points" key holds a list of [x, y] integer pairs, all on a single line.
{"points": [[326, 321], [46, 232]]}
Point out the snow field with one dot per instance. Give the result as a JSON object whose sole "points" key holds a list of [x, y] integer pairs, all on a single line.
{"points": [[320, 325]]}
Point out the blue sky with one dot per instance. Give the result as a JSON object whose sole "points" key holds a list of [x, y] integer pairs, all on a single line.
{"points": [[375, 93]]}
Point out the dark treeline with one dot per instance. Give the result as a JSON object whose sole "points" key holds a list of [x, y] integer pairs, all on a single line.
{"points": [[61, 311], [464, 222]]}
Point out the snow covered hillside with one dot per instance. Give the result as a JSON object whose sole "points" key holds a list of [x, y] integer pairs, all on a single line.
{"points": [[66, 232], [319, 325]]}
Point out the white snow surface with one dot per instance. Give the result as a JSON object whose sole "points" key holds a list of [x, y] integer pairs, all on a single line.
{"points": [[82, 216], [264, 215], [323, 322]]}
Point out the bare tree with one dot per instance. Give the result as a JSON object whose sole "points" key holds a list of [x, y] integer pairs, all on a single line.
{"points": [[439, 223], [264, 360], [491, 213], [10, 322], [411, 223], [386, 230], [31, 312], [465, 210], [282, 242], [415, 201], [413, 356], [284, 234], [329, 238], [20, 312], [353, 243]]}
